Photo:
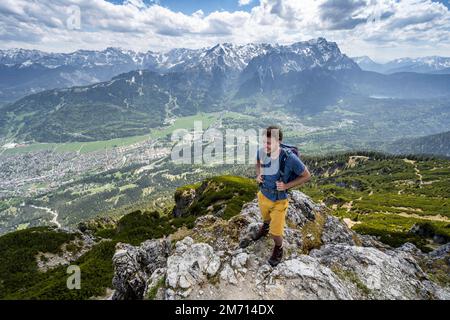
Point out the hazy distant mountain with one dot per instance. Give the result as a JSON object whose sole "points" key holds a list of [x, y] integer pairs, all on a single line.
{"points": [[302, 78], [126, 105], [437, 144], [24, 79], [433, 64], [368, 64]]}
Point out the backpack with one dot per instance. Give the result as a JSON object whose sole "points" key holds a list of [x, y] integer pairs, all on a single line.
{"points": [[287, 150]]}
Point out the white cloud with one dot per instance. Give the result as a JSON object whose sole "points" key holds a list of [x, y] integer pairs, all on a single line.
{"points": [[380, 28], [244, 2]]}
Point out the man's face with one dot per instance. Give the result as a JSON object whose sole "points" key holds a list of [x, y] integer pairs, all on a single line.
{"points": [[271, 144]]}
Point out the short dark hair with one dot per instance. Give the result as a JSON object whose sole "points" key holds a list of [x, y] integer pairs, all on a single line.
{"points": [[276, 130]]}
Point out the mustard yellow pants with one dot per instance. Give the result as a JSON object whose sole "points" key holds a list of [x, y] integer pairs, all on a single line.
{"points": [[275, 212]]}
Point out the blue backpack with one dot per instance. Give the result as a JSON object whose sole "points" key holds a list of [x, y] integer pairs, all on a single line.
{"points": [[286, 151]]}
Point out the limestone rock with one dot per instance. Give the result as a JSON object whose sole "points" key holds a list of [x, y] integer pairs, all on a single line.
{"points": [[134, 265], [183, 199], [154, 281], [443, 252], [300, 206], [227, 275], [239, 261], [393, 274], [305, 278], [192, 263], [335, 231]]}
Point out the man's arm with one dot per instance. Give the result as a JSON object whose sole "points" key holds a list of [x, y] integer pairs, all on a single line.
{"points": [[301, 179], [258, 172]]}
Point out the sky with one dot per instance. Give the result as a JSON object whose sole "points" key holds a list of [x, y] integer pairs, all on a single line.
{"points": [[207, 6], [380, 29]]}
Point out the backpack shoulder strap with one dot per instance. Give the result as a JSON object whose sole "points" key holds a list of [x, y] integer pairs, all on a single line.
{"points": [[284, 154]]}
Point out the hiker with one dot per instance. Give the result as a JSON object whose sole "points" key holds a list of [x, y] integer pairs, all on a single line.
{"points": [[278, 168]]}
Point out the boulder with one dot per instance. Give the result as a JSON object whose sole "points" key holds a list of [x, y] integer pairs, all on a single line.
{"points": [[335, 231], [191, 264], [133, 266], [227, 275], [442, 252], [300, 207]]}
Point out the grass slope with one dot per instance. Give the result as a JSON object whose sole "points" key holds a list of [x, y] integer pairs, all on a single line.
{"points": [[385, 195]]}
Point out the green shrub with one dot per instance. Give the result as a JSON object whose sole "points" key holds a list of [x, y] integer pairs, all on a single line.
{"points": [[228, 192], [18, 250], [96, 275]]}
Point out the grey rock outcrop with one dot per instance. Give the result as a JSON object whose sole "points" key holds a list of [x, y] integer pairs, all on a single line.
{"points": [[183, 200], [191, 264], [335, 231], [46, 260], [227, 275], [443, 252], [133, 266], [303, 206], [305, 278], [393, 274]]}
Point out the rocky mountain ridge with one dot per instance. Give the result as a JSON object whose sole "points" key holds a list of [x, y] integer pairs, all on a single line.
{"points": [[324, 260], [237, 56], [30, 71]]}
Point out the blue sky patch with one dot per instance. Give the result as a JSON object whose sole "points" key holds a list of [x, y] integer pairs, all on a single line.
{"points": [[207, 6]]}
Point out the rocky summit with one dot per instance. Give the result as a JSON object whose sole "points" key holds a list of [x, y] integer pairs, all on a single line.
{"points": [[324, 259]]}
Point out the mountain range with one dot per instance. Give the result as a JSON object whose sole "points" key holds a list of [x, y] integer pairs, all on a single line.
{"points": [[431, 64], [24, 72], [301, 79]]}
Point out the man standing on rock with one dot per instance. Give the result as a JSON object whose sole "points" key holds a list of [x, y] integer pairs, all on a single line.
{"points": [[278, 168]]}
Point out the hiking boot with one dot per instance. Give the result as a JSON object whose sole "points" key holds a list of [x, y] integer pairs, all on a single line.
{"points": [[277, 255], [262, 232]]}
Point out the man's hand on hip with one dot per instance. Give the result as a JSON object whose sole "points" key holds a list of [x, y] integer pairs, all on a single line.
{"points": [[259, 179], [281, 186]]}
